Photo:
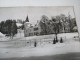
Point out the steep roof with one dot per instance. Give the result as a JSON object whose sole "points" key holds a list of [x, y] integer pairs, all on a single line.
{"points": [[27, 19]]}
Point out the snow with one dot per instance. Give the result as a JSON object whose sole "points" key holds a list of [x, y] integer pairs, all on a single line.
{"points": [[20, 33], [1, 35], [40, 51], [68, 35], [75, 28], [18, 24], [3, 38], [19, 47]]}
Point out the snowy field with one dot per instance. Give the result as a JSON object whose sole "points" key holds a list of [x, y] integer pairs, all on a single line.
{"points": [[21, 46]]}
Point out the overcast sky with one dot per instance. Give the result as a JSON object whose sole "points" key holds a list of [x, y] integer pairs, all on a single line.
{"points": [[34, 13]]}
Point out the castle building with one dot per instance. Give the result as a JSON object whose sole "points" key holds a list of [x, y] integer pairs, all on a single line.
{"points": [[30, 30]]}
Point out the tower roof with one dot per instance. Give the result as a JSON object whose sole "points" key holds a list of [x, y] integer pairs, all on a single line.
{"points": [[27, 19]]}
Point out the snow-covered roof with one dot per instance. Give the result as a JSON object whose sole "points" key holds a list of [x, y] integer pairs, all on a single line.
{"points": [[18, 24], [75, 27], [1, 35], [28, 22]]}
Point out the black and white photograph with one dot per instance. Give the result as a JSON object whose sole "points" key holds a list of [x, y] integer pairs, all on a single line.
{"points": [[39, 33]]}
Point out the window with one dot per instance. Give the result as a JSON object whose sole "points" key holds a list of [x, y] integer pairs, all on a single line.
{"points": [[30, 34], [35, 29], [36, 33]]}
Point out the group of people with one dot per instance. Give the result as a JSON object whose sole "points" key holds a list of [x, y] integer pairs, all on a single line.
{"points": [[54, 41]]}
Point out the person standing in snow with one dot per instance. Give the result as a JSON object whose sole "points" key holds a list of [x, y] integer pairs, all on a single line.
{"points": [[54, 41], [61, 40], [35, 44]]}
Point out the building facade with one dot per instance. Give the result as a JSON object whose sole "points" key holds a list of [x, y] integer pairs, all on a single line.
{"points": [[30, 30]]}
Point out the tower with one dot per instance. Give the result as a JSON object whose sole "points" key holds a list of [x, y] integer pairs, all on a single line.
{"points": [[27, 19], [26, 27]]}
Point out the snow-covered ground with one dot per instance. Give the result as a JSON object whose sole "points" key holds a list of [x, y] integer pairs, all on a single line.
{"points": [[24, 46], [3, 38]]}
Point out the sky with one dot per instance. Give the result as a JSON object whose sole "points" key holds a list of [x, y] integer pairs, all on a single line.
{"points": [[34, 13]]}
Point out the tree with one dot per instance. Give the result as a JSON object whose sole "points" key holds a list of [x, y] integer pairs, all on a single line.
{"points": [[53, 19], [43, 25], [63, 20], [58, 18], [56, 28], [70, 22], [74, 22], [8, 24], [2, 26], [13, 28], [8, 27], [57, 24]]}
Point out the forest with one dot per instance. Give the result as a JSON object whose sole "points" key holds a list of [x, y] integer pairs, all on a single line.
{"points": [[57, 24]]}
